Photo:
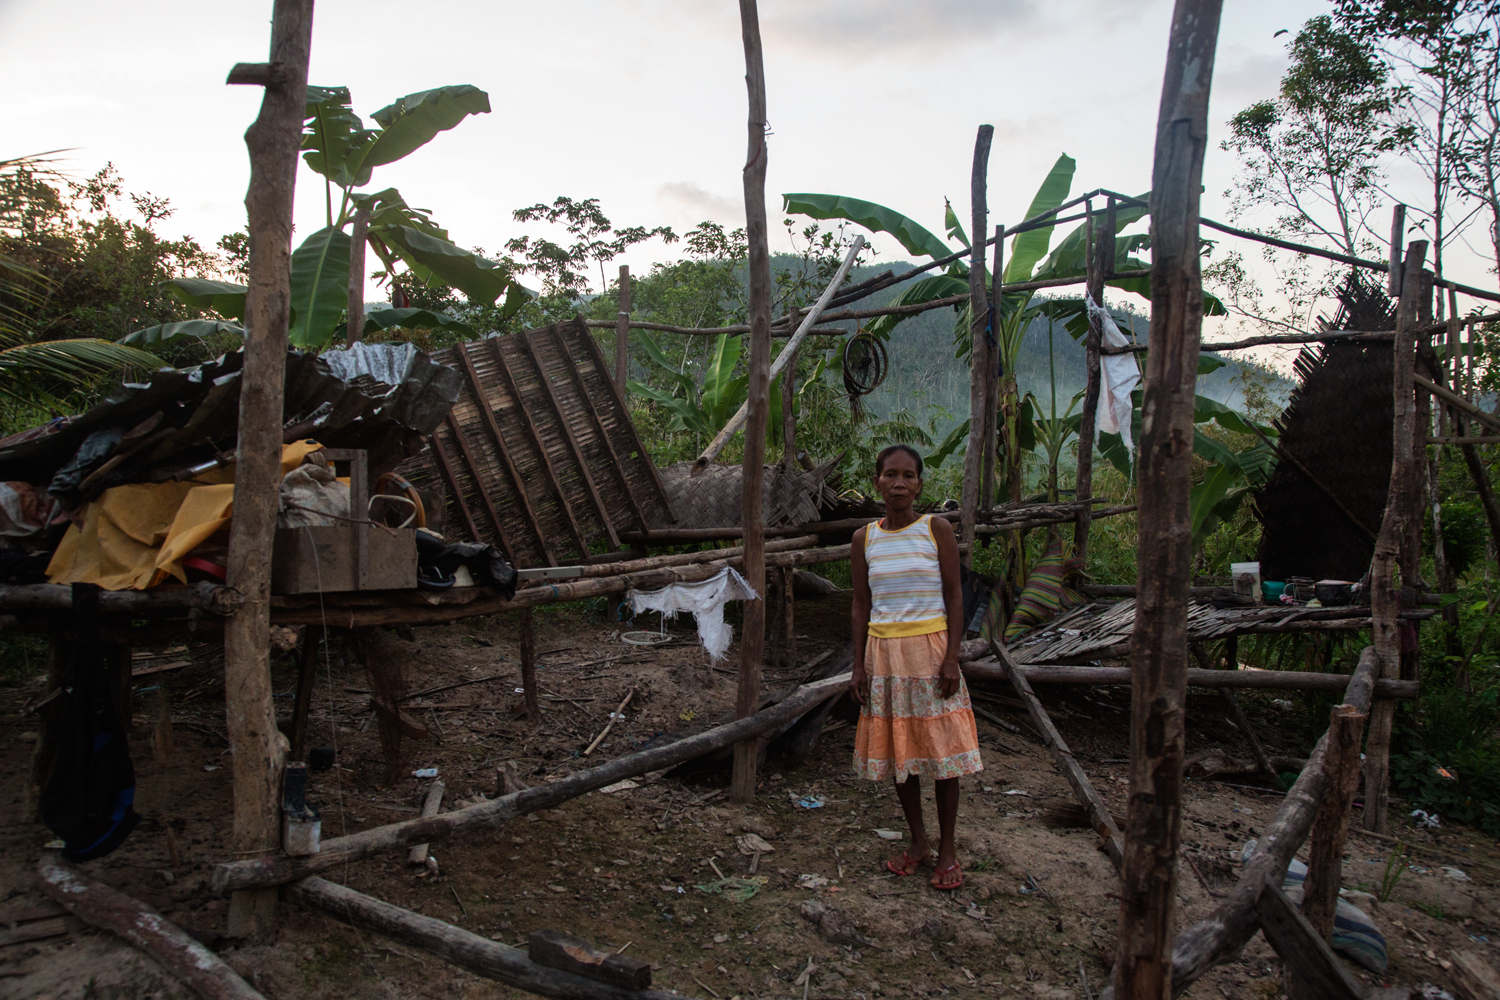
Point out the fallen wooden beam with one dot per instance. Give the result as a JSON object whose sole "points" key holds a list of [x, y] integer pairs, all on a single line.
{"points": [[488, 958], [278, 870], [1306, 956], [182, 957], [557, 950], [1099, 815], [430, 805], [1274, 680], [208, 597], [1234, 922]]}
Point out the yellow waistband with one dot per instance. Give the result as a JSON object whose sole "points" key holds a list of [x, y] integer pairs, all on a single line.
{"points": [[893, 630]]}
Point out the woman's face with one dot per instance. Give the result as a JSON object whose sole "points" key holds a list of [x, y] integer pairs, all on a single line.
{"points": [[899, 482]]}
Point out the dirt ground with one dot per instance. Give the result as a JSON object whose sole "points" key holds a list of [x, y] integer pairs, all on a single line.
{"points": [[628, 869]]}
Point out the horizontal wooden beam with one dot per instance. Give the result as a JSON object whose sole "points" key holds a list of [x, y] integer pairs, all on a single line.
{"points": [[208, 597], [1272, 680], [279, 870]]}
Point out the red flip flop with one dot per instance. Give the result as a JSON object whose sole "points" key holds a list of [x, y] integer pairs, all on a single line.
{"points": [[906, 860], [943, 871]]}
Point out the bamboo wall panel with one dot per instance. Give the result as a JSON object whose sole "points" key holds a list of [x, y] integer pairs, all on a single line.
{"points": [[512, 449]]}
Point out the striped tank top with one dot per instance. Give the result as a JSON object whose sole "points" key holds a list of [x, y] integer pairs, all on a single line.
{"points": [[906, 584]]}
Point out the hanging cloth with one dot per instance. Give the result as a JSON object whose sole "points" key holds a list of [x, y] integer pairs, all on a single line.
{"points": [[1120, 375], [705, 600]]}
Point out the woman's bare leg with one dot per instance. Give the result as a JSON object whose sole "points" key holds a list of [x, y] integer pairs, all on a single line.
{"points": [[946, 792], [909, 793]]}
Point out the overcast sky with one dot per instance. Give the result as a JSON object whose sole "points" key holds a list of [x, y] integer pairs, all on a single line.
{"points": [[640, 104]]}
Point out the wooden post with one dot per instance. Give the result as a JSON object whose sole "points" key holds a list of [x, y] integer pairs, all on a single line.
{"points": [[1398, 239], [528, 668], [1089, 414], [258, 746], [1384, 606], [992, 377], [357, 235], [622, 332], [1320, 893], [752, 641], [307, 676], [788, 619], [978, 347], [788, 415], [1416, 446], [1159, 644]]}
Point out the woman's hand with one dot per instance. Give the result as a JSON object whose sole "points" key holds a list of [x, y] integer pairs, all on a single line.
{"points": [[948, 676], [859, 686]]}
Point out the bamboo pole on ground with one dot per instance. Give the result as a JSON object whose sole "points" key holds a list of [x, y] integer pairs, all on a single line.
{"points": [[358, 232], [182, 957], [273, 141], [1159, 644], [1384, 605], [1085, 480], [753, 637], [622, 332], [234, 875], [979, 349]]}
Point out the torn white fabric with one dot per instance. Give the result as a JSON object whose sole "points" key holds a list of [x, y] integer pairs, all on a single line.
{"points": [[311, 495], [1121, 376], [705, 600]]}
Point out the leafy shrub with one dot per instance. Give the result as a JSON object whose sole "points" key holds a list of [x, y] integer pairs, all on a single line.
{"points": [[1453, 731]]}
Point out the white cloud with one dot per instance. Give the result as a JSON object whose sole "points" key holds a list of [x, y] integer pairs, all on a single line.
{"points": [[691, 204]]}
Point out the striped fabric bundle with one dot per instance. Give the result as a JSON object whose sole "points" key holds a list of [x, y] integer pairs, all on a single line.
{"points": [[1044, 595]]}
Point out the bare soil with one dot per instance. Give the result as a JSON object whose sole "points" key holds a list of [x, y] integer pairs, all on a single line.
{"points": [[628, 869]]}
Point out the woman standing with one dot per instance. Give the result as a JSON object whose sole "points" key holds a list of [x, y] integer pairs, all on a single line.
{"points": [[915, 720]]}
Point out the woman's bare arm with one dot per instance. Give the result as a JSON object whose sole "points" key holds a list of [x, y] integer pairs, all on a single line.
{"points": [[953, 603], [859, 617]]}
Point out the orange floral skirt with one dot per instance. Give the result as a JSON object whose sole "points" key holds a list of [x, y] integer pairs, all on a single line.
{"points": [[906, 726]]}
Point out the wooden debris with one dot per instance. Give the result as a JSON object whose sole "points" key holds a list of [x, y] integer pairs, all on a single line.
{"points": [[430, 805], [34, 930], [613, 716], [182, 957], [557, 950], [470, 951], [1476, 979], [1307, 956]]}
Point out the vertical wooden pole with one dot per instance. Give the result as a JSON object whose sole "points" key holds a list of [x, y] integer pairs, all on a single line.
{"points": [[528, 668], [358, 233], [1416, 447], [307, 676], [789, 636], [752, 643], [257, 745], [979, 351], [1384, 607], [1398, 240], [1320, 897], [1089, 414], [1159, 642], [622, 332], [788, 414], [992, 376]]}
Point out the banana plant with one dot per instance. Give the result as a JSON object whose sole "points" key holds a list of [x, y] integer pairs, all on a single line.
{"points": [[705, 410], [1030, 258]]}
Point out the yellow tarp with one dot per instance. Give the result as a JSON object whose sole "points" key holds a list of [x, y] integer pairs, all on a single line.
{"points": [[136, 536]]}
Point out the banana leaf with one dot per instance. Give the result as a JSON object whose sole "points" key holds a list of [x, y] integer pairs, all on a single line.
{"points": [[1028, 248], [416, 119], [435, 260], [939, 286], [331, 133], [876, 218], [955, 440], [954, 227], [391, 319], [1205, 500], [320, 287], [168, 333], [224, 297]]}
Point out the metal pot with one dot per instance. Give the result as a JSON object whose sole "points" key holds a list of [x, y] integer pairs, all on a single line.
{"points": [[1334, 593]]}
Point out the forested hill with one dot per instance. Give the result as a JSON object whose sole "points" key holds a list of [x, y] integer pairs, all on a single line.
{"points": [[924, 371]]}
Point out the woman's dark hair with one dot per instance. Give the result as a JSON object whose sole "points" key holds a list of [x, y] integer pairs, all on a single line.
{"points": [[888, 452]]}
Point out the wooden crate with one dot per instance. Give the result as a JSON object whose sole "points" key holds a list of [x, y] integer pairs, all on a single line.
{"points": [[344, 557]]}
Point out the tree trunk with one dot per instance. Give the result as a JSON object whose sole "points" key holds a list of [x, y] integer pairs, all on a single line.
{"points": [[1159, 645], [752, 641], [992, 375], [357, 236], [622, 332], [979, 348], [257, 745], [1400, 506]]}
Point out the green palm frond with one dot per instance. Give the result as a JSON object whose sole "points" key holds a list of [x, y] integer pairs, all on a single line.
{"points": [[26, 368]]}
